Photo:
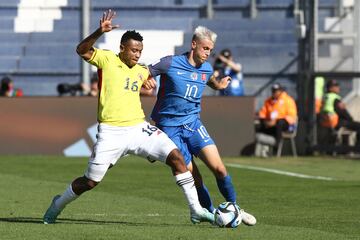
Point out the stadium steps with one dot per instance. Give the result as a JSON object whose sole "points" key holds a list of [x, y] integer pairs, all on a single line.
{"points": [[49, 64], [251, 50], [8, 64], [246, 37], [263, 25]]}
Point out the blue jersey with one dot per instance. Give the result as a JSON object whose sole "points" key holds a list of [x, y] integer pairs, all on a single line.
{"points": [[181, 87]]}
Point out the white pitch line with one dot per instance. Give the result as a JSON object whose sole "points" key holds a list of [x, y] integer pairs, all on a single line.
{"points": [[292, 174]]}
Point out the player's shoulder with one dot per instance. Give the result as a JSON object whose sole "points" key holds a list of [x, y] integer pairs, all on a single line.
{"points": [[105, 51], [143, 66]]}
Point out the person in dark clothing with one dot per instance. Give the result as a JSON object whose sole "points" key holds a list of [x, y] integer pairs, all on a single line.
{"points": [[334, 113]]}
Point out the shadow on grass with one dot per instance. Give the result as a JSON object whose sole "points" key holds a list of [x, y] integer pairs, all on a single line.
{"points": [[90, 221]]}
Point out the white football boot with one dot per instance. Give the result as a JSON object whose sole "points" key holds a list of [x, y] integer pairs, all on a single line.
{"points": [[247, 218]]}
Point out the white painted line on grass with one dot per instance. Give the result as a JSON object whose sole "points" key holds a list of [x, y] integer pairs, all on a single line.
{"points": [[292, 174]]}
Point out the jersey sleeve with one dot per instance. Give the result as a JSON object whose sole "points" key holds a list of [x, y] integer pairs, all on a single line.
{"points": [[291, 111], [263, 111], [99, 58], [161, 66]]}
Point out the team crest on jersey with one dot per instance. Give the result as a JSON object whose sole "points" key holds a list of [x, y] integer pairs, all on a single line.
{"points": [[194, 76], [203, 76], [141, 77]]}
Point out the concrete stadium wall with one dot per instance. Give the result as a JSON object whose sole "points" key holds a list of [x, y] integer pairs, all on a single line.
{"points": [[48, 125]]}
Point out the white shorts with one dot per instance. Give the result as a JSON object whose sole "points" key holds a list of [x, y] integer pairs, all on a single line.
{"points": [[115, 142]]}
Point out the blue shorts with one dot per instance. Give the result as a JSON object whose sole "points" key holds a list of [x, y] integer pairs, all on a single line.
{"points": [[189, 138]]}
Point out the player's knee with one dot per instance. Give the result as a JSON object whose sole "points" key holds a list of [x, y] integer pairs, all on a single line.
{"points": [[90, 184], [175, 157], [83, 184], [176, 161], [220, 171]]}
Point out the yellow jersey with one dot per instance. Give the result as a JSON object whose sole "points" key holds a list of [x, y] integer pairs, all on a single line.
{"points": [[119, 89]]}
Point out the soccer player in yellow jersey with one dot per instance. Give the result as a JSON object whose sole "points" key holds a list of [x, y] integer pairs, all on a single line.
{"points": [[122, 127]]}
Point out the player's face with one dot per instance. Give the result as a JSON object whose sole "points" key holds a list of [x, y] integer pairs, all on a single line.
{"points": [[202, 49], [130, 52]]}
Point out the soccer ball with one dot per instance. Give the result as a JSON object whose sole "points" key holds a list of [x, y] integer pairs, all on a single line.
{"points": [[228, 215]]}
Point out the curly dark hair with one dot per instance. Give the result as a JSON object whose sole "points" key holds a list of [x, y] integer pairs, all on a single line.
{"points": [[131, 35]]}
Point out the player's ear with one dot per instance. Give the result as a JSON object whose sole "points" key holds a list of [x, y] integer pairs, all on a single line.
{"points": [[193, 44], [122, 47]]}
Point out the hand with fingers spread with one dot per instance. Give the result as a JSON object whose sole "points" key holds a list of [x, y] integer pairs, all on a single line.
{"points": [[224, 82], [85, 47], [106, 21]]}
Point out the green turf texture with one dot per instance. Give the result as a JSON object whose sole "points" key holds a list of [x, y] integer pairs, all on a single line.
{"points": [[140, 200]]}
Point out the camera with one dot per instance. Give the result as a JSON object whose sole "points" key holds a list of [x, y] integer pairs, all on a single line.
{"points": [[72, 89]]}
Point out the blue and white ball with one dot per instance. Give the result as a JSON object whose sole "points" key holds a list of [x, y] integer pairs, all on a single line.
{"points": [[228, 215]]}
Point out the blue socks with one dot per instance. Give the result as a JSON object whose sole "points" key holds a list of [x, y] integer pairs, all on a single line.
{"points": [[227, 189], [204, 198]]}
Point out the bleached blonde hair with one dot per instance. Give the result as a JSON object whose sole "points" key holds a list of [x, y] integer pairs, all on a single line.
{"points": [[202, 32]]}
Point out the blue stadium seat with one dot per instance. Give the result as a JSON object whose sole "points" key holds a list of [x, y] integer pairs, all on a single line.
{"points": [[12, 37], [192, 2], [6, 23], [51, 49], [7, 4], [159, 23], [332, 3], [8, 11], [151, 12], [56, 36], [265, 65], [49, 64], [278, 3], [8, 64], [248, 24], [12, 49], [122, 3], [252, 50], [231, 2], [245, 37]]}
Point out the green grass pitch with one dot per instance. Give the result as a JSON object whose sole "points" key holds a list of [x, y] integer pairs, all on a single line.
{"points": [[140, 200]]}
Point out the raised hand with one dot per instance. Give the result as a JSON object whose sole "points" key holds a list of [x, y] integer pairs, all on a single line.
{"points": [[106, 21], [224, 82]]}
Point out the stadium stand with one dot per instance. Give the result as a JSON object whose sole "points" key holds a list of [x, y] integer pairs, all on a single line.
{"points": [[39, 56]]}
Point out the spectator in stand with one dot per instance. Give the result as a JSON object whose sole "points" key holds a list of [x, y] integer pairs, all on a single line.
{"points": [[7, 88], [278, 114], [334, 113], [225, 66]]}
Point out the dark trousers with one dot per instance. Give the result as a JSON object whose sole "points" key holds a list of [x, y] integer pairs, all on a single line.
{"points": [[281, 126], [352, 125]]}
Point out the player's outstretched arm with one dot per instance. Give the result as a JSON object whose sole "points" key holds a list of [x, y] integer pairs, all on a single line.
{"points": [[84, 48], [218, 84]]}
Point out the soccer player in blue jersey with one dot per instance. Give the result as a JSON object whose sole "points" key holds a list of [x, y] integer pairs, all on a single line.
{"points": [[183, 79]]}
